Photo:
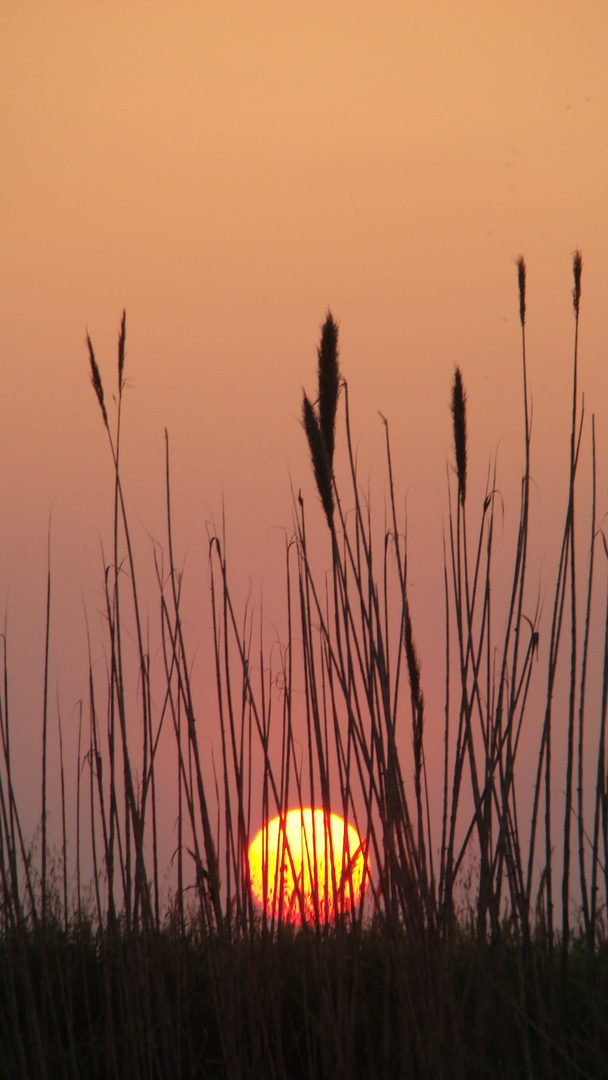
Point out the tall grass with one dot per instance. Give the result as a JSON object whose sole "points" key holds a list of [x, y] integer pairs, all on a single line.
{"points": [[420, 978]]}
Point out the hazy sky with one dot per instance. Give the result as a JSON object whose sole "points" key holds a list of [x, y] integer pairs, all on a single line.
{"points": [[226, 172]]}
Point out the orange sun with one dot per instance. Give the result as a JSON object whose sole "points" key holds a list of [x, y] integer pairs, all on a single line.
{"points": [[307, 865]]}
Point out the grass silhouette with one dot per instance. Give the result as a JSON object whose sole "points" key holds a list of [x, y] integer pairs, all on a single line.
{"points": [[414, 980]]}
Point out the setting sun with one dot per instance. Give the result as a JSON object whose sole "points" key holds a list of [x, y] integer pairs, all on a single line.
{"points": [[299, 868]]}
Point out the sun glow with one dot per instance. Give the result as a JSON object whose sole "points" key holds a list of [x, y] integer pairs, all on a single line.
{"points": [[307, 865]]}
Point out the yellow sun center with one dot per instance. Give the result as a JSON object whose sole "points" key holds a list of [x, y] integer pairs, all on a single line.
{"points": [[307, 865]]}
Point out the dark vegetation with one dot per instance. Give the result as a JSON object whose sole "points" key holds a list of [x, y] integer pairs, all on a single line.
{"points": [[509, 979]]}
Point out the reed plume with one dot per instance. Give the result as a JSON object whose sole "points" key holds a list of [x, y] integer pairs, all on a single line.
{"points": [[320, 460], [577, 269], [459, 414], [96, 380], [320, 425], [329, 384], [121, 350], [413, 667], [521, 278]]}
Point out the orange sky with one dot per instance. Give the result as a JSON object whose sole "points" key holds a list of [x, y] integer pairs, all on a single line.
{"points": [[227, 171]]}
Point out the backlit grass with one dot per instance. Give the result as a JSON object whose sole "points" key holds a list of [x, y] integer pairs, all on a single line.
{"points": [[424, 976]]}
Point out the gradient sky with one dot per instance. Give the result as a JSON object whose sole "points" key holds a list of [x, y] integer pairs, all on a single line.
{"points": [[226, 172]]}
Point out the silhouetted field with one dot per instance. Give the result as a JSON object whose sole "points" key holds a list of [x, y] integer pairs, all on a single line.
{"points": [[420, 979]]}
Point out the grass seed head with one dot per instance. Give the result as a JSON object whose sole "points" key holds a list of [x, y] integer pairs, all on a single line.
{"points": [[96, 380], [320, 462], [577, 270], [329, 384], [413, 667], [121, 350], [413, 663], [459, 414], [521, 278]]}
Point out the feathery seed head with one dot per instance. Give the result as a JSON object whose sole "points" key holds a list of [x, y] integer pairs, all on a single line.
{"points": [[413, 663], [121, 350], [577, 269], [521, 277], [459, 414], [96, 380], [329, 384], [318, 453]]}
